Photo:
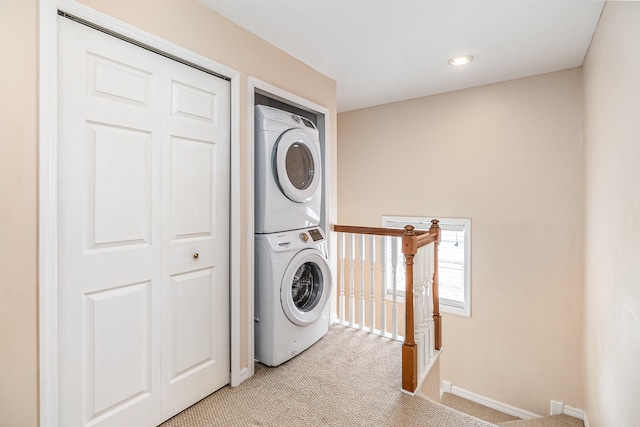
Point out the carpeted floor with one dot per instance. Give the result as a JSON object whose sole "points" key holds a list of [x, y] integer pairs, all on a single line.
{"points": [[349, 378], [504, 420], [475, 409], [550, 421]]}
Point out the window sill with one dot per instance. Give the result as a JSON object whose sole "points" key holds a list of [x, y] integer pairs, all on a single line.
{"points": [[464, 312]]}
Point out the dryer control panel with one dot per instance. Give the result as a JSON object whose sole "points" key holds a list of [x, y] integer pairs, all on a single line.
{"points": [[289, 119]]}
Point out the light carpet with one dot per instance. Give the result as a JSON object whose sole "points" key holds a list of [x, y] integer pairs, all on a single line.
{"points": [[349, 378], [477, 410], [550, 421], [506, 420]]}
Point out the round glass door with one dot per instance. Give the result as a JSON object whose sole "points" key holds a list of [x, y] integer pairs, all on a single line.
{"points": [[305, 288], [297, 164]]}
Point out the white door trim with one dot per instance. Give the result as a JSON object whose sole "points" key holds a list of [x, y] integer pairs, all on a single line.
{"points": [[48, 194]]}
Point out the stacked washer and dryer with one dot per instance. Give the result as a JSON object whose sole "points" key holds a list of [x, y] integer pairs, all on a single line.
{"points": [[292, 275]]}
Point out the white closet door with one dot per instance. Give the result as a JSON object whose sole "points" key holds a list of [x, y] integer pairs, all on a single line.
{"points": [[196, 236], [124, 286]]}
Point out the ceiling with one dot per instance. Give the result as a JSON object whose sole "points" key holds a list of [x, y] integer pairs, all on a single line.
{"points": [[381, 51]]}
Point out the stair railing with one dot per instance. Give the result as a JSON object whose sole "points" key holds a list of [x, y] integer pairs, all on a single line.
{"points": [[420, 328]]}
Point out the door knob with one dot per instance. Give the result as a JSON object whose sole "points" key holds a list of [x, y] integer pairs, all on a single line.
{"points": [[196, 255]]}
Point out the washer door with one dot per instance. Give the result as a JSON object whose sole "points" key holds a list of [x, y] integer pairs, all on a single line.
{"points": [[305, 287], [297, 165]]}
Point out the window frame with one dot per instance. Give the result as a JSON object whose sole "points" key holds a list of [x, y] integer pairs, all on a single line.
{"points": [[424, 223]]}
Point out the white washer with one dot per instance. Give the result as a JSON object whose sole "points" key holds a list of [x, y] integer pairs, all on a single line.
{"points": [[288, 171], [293, 284]]}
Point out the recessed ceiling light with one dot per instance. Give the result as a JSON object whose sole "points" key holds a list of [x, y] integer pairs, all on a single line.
{"points": [[460, 60]]}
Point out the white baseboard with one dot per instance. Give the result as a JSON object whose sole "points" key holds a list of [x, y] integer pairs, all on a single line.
{"points": [[245, 374], [489, 403], [446, 387], [558, 408]]}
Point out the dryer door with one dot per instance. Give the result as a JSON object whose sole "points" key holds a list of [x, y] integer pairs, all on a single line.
{"points": [[297, 165], [306, 286]]}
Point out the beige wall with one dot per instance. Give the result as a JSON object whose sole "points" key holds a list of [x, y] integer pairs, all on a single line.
{"points": [[18, 213], [612, 168], [183, 22], [510, 157]]}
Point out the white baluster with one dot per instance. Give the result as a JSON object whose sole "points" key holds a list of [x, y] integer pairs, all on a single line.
{"points": [[430, 322], [341, 255], [394, 306], [352, 286], [372, 291], [417, 308], [383, 287], [361, 300], [423, 308], [424, 266], [428, 300]]}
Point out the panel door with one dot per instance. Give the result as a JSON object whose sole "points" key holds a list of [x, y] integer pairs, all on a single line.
{"points": [[114, 273], [196, 236]]}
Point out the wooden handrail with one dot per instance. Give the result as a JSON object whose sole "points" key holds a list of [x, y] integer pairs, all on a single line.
{"points": [[377, 231], [412, 241]]}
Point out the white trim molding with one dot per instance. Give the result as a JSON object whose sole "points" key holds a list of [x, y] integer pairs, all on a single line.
{"points": [[48, 221], [573, 412], [48, 262], [447, 387], [557, 408]]}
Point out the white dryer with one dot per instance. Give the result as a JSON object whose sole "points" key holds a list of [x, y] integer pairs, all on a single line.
{"points": [[288, 171], [293, 284]]}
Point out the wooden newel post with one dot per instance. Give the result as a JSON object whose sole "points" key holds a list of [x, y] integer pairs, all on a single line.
{"points": [[409, 348], [437, 319]]}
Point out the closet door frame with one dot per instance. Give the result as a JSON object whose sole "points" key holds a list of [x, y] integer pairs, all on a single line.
{"points": [[48, 194]]}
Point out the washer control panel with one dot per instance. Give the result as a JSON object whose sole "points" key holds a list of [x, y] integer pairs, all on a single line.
{"points": [[295, 239], [316, 234]]}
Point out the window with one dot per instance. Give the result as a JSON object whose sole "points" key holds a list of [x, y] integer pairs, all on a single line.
{"points": [[454, 260]]}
